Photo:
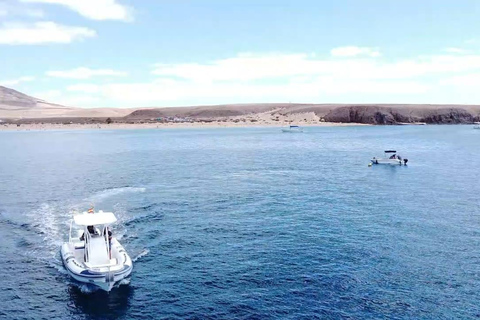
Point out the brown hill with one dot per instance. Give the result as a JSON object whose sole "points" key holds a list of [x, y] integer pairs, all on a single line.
{"points": [[17, 105], [14, 104], [344, 113], [205, 112]]}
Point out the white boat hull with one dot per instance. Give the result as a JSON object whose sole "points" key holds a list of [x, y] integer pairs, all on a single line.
{"points": [[103, 277], [292, 130], [387, 161]]}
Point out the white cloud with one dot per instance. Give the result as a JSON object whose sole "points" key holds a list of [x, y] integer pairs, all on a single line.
{"points": [[177, 92], [11, 9], [84, 88], [294, 77], [467, 80], [41, 32], [93, 9], [241, 68], [456, 50], [248, 78], [85, 73], [216, 93], [352, 51], [13, 82], [263, 67]]}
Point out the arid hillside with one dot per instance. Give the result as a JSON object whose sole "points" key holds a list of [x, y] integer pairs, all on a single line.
{"points": [[16, 106]]}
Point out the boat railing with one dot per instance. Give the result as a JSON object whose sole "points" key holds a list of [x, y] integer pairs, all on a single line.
{"points": [[107, 242], [87, 245]]}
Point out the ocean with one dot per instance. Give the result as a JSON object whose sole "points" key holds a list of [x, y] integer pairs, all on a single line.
{"points": [[247, 223]]}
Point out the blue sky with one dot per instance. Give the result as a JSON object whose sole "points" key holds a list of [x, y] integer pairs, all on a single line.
{"points": [[125, 53]]}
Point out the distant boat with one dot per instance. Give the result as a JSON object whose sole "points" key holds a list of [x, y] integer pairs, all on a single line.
{"points": [[391, 157], [477, 125], [292, 129]]}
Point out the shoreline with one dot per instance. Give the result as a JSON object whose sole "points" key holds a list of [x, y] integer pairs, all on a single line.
{"points": [[140, 126]]}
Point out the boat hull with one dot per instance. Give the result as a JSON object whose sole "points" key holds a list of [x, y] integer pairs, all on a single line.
{"points": [[387, 161], [292, 130], [105, 277]]}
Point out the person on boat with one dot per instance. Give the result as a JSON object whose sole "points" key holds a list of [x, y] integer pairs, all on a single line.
{"points": [[393, 156], [107, 230], [91, 230]]}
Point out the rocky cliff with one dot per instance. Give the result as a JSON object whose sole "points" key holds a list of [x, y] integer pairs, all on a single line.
{"points": [[398, 114]]}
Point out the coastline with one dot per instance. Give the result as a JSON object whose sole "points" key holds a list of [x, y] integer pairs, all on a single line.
{"points": [[139, 126]]}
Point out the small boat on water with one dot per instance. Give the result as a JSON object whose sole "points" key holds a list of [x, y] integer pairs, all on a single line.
{"points": [[95, 256], [476, 125], [292, 129], [391, 157]]}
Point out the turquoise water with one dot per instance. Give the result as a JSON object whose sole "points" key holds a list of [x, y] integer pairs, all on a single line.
{"points": [[248, 223]]}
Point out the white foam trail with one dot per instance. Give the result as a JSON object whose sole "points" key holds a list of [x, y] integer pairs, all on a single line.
{"points": [[141, 254], [52, 222], [99, 196], [125, 281], [59, 267], [85, 288]]}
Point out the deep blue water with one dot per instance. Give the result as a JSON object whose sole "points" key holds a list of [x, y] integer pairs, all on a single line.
{"points": [[248, 223]]}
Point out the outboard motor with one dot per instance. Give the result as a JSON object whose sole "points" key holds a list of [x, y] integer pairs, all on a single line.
{"points": [[405, 162]]}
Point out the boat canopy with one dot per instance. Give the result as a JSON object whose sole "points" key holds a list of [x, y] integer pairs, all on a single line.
{"points": [[390, 151], [293, 126], [92, 219]]}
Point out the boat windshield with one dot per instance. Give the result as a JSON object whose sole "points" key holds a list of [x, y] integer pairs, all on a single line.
{"points": [[76, 232]]}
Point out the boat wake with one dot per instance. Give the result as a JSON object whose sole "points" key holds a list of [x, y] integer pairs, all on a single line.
{"points": [[50, 221], [85, 288], [141, 255], [122, 282], [104, 194]]}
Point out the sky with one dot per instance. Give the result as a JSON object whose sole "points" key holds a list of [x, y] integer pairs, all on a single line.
{"points": [[161, 53]]}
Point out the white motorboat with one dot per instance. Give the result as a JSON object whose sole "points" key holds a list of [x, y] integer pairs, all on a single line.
{"points": [[391, 157], [476, 125], [292, 129], [94, 256]]}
